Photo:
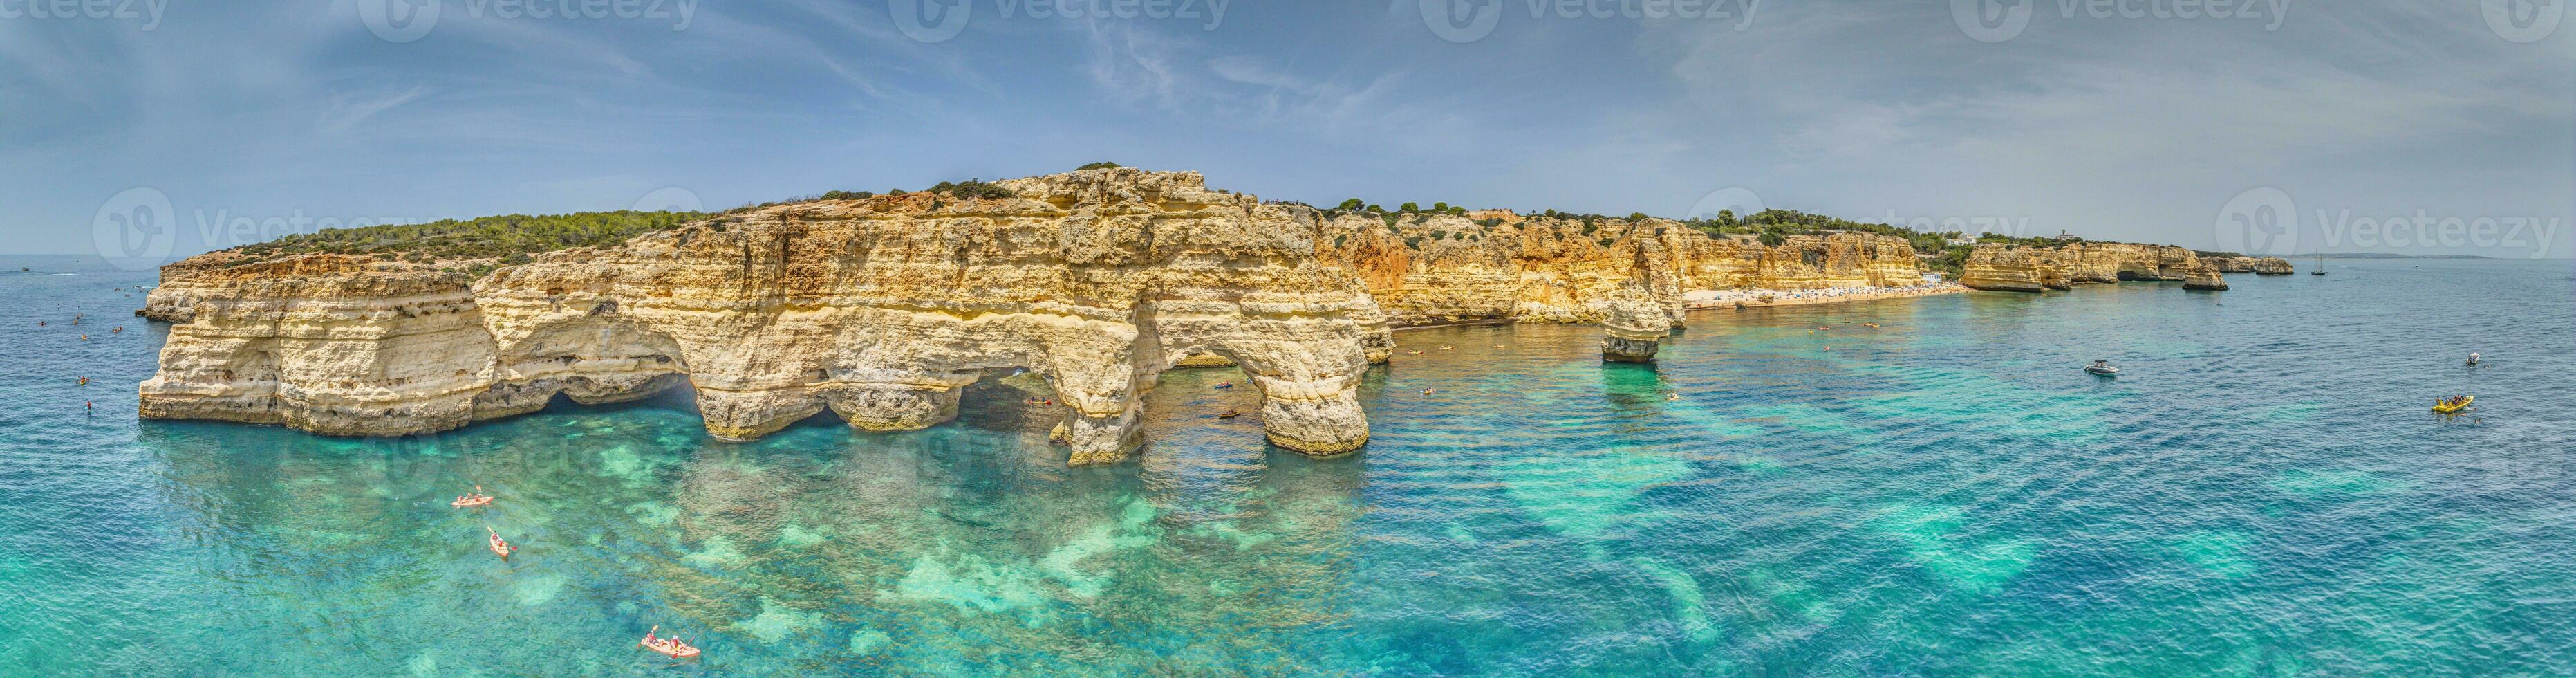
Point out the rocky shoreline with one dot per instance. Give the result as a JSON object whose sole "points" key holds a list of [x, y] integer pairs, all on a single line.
{"points": [[883, 309], [1759, 298], [880, 310], [2011, 267]]}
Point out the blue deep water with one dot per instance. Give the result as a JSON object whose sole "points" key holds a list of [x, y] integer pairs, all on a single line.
{"points": [[2262, 492]]}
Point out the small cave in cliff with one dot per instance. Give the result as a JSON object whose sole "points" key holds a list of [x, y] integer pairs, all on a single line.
{"points": [[1009, 400], [594, 359]]}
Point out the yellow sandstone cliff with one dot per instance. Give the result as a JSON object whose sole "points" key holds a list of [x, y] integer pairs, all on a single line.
{"points": [[880, 310], [2254, 265], [1426, 268], [2022, 268]]}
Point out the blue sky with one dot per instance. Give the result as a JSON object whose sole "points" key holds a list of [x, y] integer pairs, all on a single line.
{"points": [[2352, 119]]}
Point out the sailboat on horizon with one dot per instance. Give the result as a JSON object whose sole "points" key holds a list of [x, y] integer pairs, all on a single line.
{"points": [[2320, 263]]}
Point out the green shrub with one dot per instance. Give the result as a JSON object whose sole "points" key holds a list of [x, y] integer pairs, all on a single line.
{"points": [[1099, 165], [481, 238], [973, 189]]}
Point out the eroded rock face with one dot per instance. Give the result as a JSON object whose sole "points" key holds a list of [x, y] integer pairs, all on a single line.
{"points": [[880, 310], [1427, 269], [325, 343], [2009, 268], [2254, 265], [1636, 326], [2203, 277], [2006, 268]]}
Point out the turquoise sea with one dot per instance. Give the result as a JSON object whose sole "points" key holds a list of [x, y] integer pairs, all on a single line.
{"points": [[2262, 493]]}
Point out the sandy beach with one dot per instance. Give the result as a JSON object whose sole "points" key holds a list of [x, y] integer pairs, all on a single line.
{"points": [[1753, 297]]}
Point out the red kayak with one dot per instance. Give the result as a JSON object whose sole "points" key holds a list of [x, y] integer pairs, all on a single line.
{"points": [[671, 647], [500, 548]]}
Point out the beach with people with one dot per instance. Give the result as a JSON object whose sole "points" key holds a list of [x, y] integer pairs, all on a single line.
{"points": [[1754, 296]]}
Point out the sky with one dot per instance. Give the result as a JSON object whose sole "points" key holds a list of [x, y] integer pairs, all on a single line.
{"points": [[152, 129]]}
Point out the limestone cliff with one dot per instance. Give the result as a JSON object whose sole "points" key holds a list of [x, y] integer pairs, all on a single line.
{"points": [[2254, 265], [174, 298], [2203, 277], [1433, 268], [2010, 268], [2022, 268], [1636, 326], [880, 310]]}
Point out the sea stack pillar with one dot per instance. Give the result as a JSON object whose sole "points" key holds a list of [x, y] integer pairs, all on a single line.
{"points": [[2203, 277], [1102, 438], [1318, 419], [1635, 328]]}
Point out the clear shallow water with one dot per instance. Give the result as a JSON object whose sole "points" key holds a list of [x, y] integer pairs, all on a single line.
{"points": [[2262, 493]]}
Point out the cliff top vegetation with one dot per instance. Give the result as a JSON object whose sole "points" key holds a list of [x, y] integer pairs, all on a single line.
{"points": [[509, 238]]}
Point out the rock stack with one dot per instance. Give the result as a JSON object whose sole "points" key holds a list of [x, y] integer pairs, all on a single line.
{"points": [[2203, 277], [1635, 326]]}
